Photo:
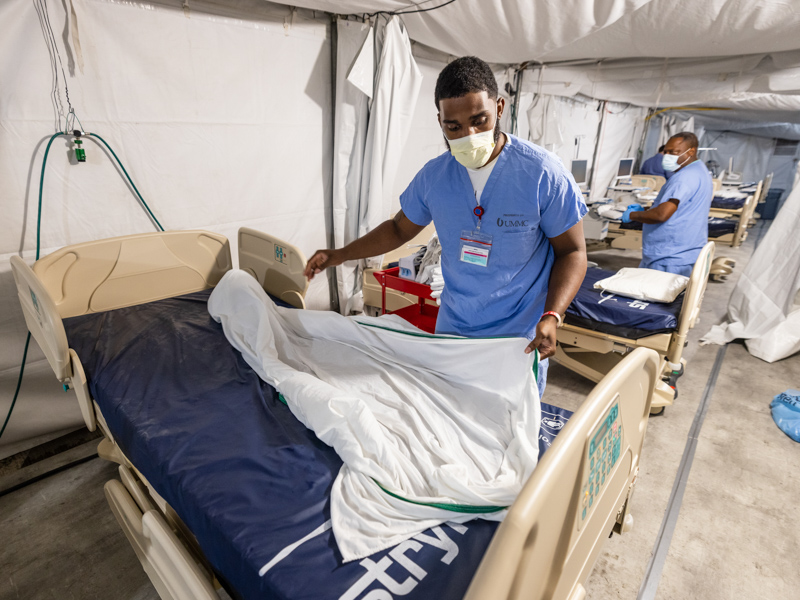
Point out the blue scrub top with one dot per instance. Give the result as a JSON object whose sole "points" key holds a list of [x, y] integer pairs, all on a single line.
{"points": [[680, 239], [529, 197], [652, 166]]}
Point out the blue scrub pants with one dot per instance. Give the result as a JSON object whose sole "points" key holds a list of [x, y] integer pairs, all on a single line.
{"points": [[685, 270], [542, 381]]}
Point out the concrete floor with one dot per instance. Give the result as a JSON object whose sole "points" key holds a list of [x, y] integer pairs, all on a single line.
{"points": [[737, 536]]}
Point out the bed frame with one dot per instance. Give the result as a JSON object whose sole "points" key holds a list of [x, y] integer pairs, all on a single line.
{"points": [[593, 354], [546, 547], [744, 215]]}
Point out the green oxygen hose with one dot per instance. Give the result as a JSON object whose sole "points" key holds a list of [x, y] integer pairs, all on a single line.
{"points": [[19, 383], [147, 208], [38, 243]]}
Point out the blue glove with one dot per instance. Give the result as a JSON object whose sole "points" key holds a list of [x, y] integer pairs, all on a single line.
{"points": [[626, 216]]}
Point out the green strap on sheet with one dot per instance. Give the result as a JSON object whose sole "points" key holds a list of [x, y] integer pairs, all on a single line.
{"points": [[462, 508], [454, 337]]}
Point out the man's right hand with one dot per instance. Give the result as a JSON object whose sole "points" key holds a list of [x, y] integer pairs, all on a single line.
{"points": [[321, 260]]}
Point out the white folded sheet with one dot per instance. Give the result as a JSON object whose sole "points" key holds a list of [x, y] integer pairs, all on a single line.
{"points": [[433, 419]]}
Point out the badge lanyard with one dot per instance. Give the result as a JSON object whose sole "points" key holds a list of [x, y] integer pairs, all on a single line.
{"points": [[476, 246]]}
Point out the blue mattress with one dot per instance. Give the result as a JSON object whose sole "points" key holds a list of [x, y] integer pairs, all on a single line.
{"points": [[617, 315], [245, 476], [717, 227], [728, 203]]}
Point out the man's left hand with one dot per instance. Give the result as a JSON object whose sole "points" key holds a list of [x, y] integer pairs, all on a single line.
{"points": [[545, 339]]}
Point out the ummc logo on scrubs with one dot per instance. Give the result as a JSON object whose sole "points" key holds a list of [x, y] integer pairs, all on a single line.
{"points": [[512, 222]]}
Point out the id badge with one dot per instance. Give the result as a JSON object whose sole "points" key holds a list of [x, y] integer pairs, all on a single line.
{"points": [[475, 247]]}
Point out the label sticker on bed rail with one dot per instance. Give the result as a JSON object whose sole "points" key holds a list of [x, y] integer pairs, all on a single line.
{"points": [[280, 254], [602, 454]]}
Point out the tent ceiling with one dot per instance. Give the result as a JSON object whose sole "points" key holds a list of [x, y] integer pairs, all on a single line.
{"points": [[554, 30], [740, 54]]}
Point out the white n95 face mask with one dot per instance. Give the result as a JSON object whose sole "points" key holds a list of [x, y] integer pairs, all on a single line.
{"points": [[670, 162], [473, 151]]}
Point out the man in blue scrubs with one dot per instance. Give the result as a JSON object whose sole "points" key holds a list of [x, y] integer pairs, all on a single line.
{"points": [[653, 166], [676, 226], [508, 215]]}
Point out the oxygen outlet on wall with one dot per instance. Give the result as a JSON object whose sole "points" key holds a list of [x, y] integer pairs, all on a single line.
{"points": [[80, 153]]}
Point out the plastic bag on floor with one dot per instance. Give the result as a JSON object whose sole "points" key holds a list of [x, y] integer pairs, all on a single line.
{"points": [[786, 413]]}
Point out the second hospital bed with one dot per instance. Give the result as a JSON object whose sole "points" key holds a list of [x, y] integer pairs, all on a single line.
{"points": [[728, 222], [221, 486], [601, 329]]}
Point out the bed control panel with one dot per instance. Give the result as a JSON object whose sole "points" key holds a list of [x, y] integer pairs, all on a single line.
{"points": [[603, 451]]}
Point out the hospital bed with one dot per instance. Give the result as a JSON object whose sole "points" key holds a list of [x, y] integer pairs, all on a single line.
{"points": [[728, 223], [600, 329], [220, 486], [731, 216]]}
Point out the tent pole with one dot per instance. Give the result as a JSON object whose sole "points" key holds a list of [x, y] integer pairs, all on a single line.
{"points": [[597, 143], [645, 130], [333, 282]]}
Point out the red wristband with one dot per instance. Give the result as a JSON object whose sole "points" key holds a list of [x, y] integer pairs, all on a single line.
{"points": [[553, 313]]}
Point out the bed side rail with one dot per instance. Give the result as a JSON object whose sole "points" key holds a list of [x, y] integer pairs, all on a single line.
{"points": [[42, 318], [695, 290], [548, 543], [277, 265], [125, 271], [169, 565], [748, 210]]}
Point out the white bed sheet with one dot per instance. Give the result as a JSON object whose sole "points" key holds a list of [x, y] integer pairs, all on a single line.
{"points": [[434, 419]]}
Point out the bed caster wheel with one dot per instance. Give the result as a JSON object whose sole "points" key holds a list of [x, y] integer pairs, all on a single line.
{"points": [[657, 411], [721, 267]]}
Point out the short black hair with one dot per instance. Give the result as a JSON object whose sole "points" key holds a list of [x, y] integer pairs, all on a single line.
{"points": [[662, 148], [464, 76], [689, 138]]}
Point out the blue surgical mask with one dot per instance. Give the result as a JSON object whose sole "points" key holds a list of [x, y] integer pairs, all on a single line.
{"points": [[670, 161]]}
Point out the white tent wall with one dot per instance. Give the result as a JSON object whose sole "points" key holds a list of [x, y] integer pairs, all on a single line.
{"points": [[566, 126], [620, 134], [425, 139], [397, 86], [763, 308], [354, 74], [750, 153], [783, 169], [374, 63], [222, 121]]}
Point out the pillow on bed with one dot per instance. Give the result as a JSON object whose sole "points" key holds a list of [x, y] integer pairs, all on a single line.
{"points": [[644, 284]]}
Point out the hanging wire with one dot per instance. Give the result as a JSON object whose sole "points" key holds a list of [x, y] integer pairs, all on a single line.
{"points": [[54, 98], [411, 11], [56, 65]]}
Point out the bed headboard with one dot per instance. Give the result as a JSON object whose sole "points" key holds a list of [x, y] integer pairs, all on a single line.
{"points": [[548, 543], [643, 181], [112, 273], [277, 265]]}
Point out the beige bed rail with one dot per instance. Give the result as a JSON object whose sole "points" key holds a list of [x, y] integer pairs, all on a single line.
{"points": [[277, 265], [546, 547], [692, 301]]}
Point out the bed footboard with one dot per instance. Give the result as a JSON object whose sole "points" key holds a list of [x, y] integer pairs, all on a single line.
{"points": [[579, 492]]}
